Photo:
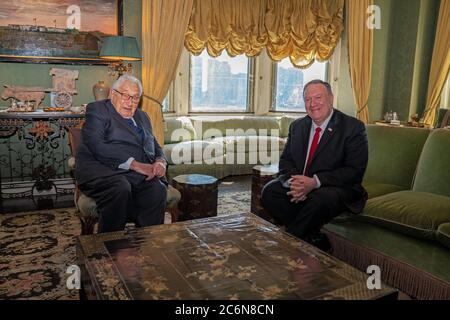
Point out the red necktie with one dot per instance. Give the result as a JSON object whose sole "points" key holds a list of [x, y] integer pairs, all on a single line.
{"points": [[313, 148]]}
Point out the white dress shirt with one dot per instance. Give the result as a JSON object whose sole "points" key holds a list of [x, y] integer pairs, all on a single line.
{"points": [[323, 126], [126, 164]]}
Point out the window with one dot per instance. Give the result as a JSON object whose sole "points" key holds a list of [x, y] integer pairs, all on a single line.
{"points": [[240, 84], [165, 104], [219, 84], [288, 82]]}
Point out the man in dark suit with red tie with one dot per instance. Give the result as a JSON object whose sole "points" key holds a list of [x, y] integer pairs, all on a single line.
{"points": [[321, 168], [119, 162]]}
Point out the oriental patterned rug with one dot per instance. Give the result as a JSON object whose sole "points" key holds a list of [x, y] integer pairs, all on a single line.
{"points": [[37, 247]]}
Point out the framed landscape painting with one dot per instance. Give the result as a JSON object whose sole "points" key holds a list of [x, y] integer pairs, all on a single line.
{"points": [[57, 31]]}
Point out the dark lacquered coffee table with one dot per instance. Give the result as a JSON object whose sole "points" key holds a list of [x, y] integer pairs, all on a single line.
{"points": [[238, 256]]}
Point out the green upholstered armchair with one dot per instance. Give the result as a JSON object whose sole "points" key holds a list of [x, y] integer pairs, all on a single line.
{"points": [[86, 206]]}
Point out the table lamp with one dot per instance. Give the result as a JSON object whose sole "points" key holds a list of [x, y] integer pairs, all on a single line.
{"points": [[120, 48]]}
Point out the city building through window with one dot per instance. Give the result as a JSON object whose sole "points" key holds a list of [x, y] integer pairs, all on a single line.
{"points": [[219, 84], [288, 82]]}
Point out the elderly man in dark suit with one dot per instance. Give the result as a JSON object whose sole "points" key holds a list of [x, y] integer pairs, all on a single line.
{"points": [[321, 168], [119, 162]]}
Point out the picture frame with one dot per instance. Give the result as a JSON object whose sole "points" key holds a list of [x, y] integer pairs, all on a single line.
{"points": [[60, 32]]}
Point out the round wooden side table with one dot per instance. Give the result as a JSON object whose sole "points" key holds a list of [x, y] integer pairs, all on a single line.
{"points": [[260, 176], [198, 196]]}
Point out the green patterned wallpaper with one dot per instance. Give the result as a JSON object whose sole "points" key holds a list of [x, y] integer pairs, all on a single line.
{"points": [[402, 56], [429, 11], [381, 48]]}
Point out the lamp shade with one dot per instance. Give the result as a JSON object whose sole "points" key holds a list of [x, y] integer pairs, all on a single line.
{"points": [[120, 48]]}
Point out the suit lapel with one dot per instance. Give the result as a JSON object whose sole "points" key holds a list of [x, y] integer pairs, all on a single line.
{"points": [[327, 135], [123, 121], [305, 131], [137, 117]]}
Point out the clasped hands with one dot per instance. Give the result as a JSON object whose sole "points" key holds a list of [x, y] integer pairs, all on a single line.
{"points": [[156, 169], [300, 186]]}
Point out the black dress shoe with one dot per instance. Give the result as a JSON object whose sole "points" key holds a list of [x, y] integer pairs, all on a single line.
{"points": [[321, 241]]}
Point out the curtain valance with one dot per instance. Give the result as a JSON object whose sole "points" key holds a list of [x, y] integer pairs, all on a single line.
{"points": [[303, 30]]}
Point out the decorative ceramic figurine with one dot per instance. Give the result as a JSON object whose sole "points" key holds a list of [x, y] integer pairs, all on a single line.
{"points": [[24, 94]]}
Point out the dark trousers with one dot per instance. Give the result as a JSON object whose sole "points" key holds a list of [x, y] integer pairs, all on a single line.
{"points": [[305, 218], [127, 197]]}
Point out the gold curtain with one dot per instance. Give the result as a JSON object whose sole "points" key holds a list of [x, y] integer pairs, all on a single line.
{"points": [[164, 24], [301, 30], [360, 44], [440, 63]]}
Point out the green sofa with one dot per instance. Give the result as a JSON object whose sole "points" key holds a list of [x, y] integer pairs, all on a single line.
{"points": [[223, 146], [405, 226]]}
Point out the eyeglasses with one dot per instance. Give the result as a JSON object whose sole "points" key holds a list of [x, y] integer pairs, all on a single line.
{"points": [[126, 97]]}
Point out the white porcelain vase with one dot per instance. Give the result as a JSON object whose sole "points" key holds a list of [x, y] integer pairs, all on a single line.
{"points": [[100, 90]]}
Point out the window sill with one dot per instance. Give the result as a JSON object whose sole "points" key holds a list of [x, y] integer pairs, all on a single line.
{"points": [[290, 113]]}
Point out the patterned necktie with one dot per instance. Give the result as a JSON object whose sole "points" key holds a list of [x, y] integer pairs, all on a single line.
{"points": [[135, 127], [312, 149]]}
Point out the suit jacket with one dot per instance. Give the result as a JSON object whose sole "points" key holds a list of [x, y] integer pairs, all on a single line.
{"points": [[340, 159], [108, 140]]}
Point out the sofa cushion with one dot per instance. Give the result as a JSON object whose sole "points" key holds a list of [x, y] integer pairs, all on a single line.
{"points": [[178, 129], [433, 169], [443, 234], [285, 123], [414, 213], [251, 143], [236, 126], [393, 154], [376, 189], [195, 151]]}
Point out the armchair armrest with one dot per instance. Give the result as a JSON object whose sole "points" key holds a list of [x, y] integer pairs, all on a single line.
{"points": [[71, 163]]}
